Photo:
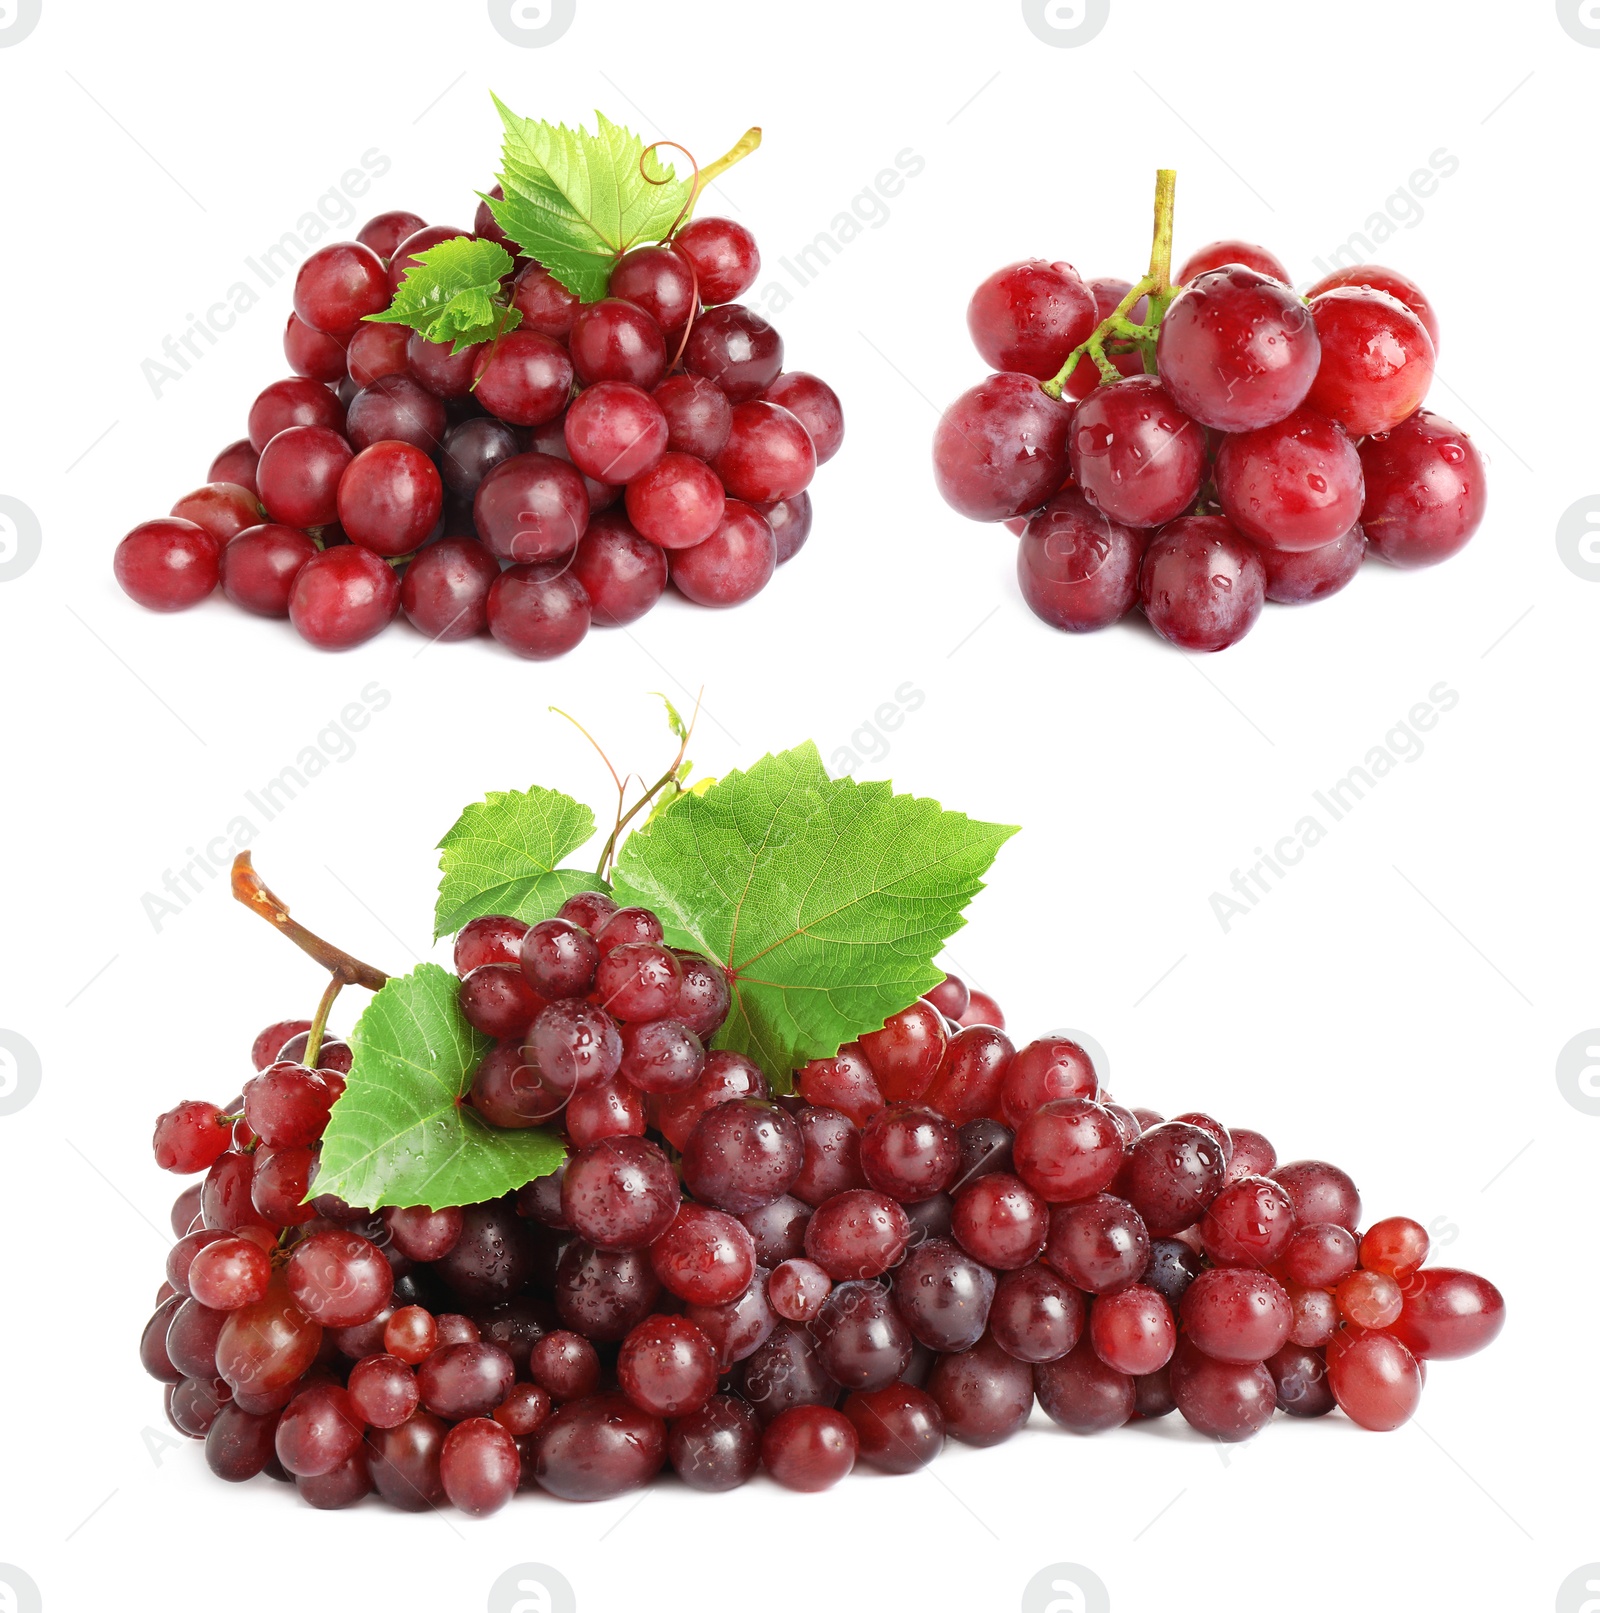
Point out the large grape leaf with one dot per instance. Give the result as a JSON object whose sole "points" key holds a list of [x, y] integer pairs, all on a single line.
{"points": [[577, 201], [826, 899], [502, 854], [449, 294], [400, 1133]]}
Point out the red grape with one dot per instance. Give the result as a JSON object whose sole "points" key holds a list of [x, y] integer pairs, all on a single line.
{"points": [[168, 565], [1201, 585], [1226, 1400], [386, 231], [768, 455], [395, 409], [904, 1056], [1302, 579], [407, 253], [445, 591], [699, 416], [1236, 1315], [1134, 454], [1377, 360], [338, 286], [237, 464], [1376, 1381], [809, 1448], [1237, 350], [1401, 287], [724, 256], [224, 509], [1294, 485], [313, 353], [295, 402], [437, 366], [343, 596], [376, 351], [1001, 448], [1320, 1192], [524, 377], [677, 503], [737, 349], [1077, 570], [1448, 1314], [1068, 1149], [899, 1429], [531, 507], [259, 566], [545, 304], [658, 280], [984, 1394], [613, 340], [732, 565], [815, 405], [1132, 1330], [615, 431], [1029, 316], [389, 497], [1396, 1246], [1082, 1393], [1425, 491], [1221, 253]]}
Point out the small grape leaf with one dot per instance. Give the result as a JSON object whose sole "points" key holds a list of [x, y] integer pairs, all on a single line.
{"points": [[449, 294], [827, 899], [577, 201], [400, 1133], [680, 729], [502, 854]]}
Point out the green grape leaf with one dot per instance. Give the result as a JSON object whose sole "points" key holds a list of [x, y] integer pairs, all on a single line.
{"points": [[502, 855], [577, 201], [826, 899], [400, 1133], [449, 294], [680, 729]]}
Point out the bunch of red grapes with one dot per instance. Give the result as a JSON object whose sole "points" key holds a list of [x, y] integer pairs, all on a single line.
{"points": [[933, 1231], [561, 474], [1275, 442]]}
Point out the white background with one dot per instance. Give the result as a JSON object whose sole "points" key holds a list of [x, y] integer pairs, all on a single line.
{"points": [[1397, 1004]]}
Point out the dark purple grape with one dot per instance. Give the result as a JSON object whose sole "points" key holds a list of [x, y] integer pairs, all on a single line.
{"points": [[944, 1295]]}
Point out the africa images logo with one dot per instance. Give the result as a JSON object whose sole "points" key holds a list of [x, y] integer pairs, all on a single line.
{"points": [[1065, 23], [532, 23], [532, 1588]]}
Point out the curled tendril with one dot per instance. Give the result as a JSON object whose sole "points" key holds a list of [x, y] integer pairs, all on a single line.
{"points": [[694, 310], [694, 276], [694, 188]]}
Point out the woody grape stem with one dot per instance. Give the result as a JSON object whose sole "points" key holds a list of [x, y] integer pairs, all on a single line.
{"points": [[346, 970]]}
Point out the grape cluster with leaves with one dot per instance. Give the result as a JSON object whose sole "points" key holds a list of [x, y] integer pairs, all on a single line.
{"points": [[699, 1160], [524, 430], [1193, 446]]}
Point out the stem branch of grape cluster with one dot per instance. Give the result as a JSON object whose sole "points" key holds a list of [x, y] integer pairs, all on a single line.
{"points": [[737, 152], [251, 889], [1156, 285]]}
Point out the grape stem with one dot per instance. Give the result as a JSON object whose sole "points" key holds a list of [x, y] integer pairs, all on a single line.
{"points": [[626, 814], [249, 888], [737, 152], [671, 776], [319, 1021], [1124, 333]]}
